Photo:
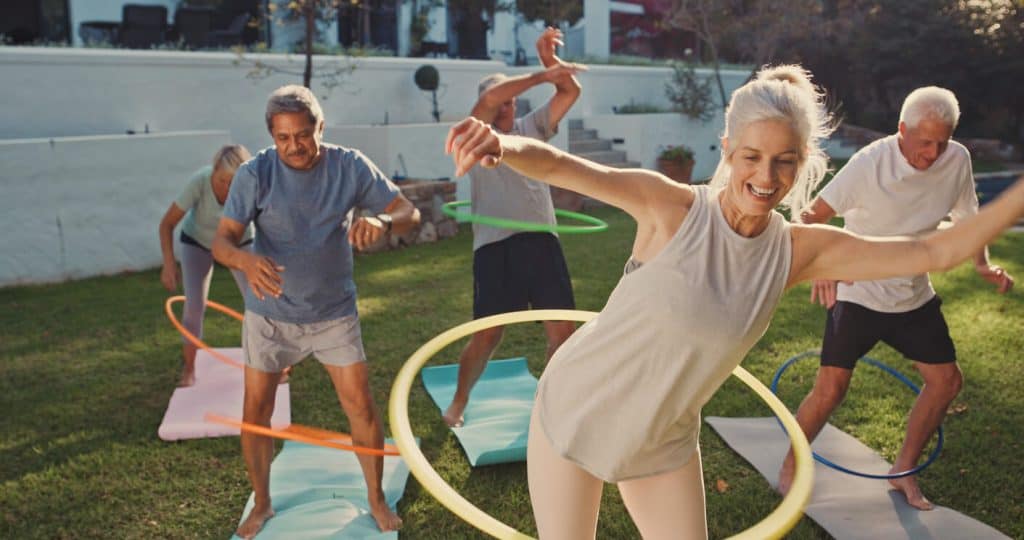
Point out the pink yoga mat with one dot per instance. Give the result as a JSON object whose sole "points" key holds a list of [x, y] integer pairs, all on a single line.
{"points": [[219, 390]]}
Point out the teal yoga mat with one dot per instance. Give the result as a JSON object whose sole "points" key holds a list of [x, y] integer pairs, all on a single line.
{"points": [[320, 492], [498, 415]]}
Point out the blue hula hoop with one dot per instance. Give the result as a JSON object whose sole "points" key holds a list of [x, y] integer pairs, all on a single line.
{"points": [[899, 376]]}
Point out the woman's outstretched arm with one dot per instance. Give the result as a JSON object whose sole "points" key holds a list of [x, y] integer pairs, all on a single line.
{"points": [[823, 252], [637, 191]]}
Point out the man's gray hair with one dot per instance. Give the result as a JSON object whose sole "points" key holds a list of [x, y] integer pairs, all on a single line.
{"points": [[294, 98], [930, 102], [489, 81]]}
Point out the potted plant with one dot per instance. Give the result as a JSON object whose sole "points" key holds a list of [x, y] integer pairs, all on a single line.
{"points": [[676, 162]]}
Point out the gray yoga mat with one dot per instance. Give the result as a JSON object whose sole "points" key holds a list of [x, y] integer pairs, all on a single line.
{"points": [[848, 507]]}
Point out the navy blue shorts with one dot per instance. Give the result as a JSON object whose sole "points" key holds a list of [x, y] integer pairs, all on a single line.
{"points": [[522, 271], [920, 335]]}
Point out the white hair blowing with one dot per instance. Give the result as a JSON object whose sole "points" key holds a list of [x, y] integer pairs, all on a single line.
{"points": [[782, 92]]}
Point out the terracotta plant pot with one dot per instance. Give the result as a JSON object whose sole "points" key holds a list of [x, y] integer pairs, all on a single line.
{"points": [[680, 171]]}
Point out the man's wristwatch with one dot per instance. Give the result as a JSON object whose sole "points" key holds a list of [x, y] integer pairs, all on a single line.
{"points": [[387, 220]]}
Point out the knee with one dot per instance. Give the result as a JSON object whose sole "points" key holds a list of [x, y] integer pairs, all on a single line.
{"points": [[831, 389], [360, 409], [947, 382], [258, 409], [489, 338]]}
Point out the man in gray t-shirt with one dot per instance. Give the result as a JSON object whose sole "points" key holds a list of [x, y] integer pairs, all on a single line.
{"points": [[300, 194], [513, 270]]}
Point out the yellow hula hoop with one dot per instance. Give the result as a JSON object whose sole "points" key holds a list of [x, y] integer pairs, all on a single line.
{"points": [[774, 525]]}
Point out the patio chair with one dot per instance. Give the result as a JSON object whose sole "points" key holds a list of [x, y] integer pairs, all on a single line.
{"points": [[232, 35], [142, 26], [192, 25]]}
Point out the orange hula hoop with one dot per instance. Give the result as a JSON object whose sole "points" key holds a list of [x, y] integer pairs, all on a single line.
{"points": [[307, 435], [192, 338]]}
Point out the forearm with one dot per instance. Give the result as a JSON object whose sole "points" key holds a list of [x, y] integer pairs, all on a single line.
{"points": [[167, 244], [510, 88], [404, 217], [981, 259], [971, 236], [226, 251]]}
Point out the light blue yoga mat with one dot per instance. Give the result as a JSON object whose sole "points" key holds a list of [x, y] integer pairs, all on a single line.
{"points": [[320, 492], [498, 415]]}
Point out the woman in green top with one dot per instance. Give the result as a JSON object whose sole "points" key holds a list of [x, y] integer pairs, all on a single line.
{"points": [[200, 204]]}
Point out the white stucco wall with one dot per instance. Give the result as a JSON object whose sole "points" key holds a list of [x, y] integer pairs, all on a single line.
{"points": [[83, 206], [99, 94], [119, 90], [644, 136]]}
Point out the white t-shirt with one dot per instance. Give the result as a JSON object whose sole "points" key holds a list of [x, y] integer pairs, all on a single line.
{"points": [[879, 193]]}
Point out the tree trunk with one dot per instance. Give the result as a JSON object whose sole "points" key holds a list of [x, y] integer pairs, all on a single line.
{"points": [[307, 74]]}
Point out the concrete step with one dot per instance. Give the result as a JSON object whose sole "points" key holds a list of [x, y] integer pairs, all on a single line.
{"points": [[605, 156], [582, 134], [589, 145]]}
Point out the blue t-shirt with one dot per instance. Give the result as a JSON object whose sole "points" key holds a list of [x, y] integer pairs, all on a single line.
{"points": [[302, 220]]}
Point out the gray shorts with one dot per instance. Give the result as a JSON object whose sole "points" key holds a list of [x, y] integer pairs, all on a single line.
{"points": [[272, 345]]}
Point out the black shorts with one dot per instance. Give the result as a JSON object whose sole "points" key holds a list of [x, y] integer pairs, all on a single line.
{"points": [[522, 271], [920, 335]]}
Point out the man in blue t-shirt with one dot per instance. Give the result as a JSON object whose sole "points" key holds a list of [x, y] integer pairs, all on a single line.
{"points": [[300, 194]]}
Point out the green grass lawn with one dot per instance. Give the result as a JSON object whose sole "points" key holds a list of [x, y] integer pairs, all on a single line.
{"points": [[87, 368]]}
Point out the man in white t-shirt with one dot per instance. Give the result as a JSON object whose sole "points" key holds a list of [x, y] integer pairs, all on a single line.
{"points": [[901, 185], [514, 270]]}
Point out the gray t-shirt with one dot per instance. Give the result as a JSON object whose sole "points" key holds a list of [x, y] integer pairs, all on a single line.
{"points": [[203, 209], [302, 220], [503, 192]]}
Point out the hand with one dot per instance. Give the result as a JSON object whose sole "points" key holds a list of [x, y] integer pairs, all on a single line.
{"points": [[996, 276], [365, 231], [561, 71], [170, 277], [471, 141], [263, 275], [548, 43], [823, 292]]}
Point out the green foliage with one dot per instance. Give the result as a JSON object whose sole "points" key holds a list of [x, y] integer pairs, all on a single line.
{"points": [[690, 94], [553, 12], [638, 108], [678, 153]]}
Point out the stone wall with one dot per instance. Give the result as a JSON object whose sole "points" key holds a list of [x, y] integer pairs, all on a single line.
{"points": [[428, 196]]}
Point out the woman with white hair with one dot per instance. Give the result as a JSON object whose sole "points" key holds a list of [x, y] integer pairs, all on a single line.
{"points": [[620, 401], [200, 204]]}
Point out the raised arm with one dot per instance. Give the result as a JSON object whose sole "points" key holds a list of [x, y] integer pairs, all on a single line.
{"points": [[488, 104], [636, 191], [823, 252], [567, 89]]}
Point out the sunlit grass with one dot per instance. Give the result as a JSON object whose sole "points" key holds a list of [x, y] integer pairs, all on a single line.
{"points": [[87, 368]]}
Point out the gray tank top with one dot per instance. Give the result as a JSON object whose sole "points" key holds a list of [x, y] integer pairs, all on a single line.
{"points": [[622, 396]]}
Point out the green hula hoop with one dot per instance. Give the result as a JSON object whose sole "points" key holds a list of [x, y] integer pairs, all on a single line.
{"points": [[593, 224]]}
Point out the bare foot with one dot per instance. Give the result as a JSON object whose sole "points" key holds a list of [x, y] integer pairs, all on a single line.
{"points": [[908, 485], [453, 416], [786, 476], [188, 378], [254, 522], [387, 519]]}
